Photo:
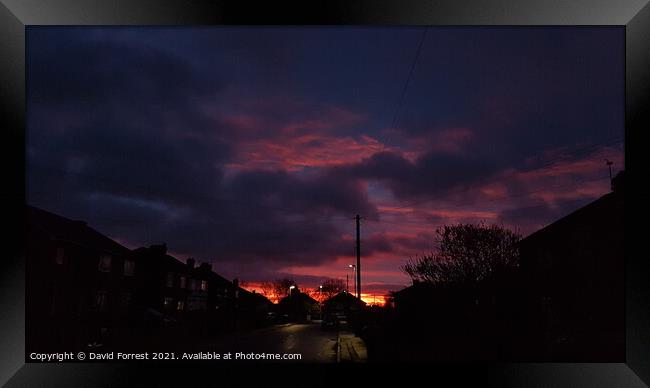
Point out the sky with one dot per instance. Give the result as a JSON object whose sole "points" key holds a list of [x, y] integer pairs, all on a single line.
{"points": [[253, 148]]}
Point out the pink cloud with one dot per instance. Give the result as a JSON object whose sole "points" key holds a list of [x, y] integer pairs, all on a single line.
{"points": [[571, 178], [405, 231], [330, 117], [447, 140], [270, 139], [452, 140], [294, 153], [243, 121]]}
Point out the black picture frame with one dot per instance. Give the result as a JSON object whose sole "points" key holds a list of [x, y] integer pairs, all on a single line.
{"points": [[15, 15]]}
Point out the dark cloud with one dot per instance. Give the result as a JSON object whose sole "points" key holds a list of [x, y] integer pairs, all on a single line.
{"points": [[137, 130], [310, 196], [122, 121], [87, 73], [431, 174], [533, 216]]}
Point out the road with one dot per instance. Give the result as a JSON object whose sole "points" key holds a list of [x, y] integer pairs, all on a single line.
{"points": [[309, 340]]}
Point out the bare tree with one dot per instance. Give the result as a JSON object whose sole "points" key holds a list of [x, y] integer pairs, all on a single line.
{"points": [[268, 290], [466, 253], [281, 287], [328, 289]]}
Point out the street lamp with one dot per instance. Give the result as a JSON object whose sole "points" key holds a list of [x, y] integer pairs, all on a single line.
{"points": [[291, 289], [320, 290], [354, 275]]}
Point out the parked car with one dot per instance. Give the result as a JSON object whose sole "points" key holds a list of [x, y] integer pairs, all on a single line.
{"points": [[282, 319], [271, 317], [276, 319], [330, 322]]}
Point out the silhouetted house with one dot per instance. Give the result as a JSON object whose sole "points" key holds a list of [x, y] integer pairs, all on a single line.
{"points": [[573, 273], [424, 304], [221, 291], [253, 307], [84, 288], [221, 302], [195, 297], [176, 289], [80, 283], [199, 279], [344, 304], [411, 300], [456, 321], [228, 306], [164, 282], [299, 306]]}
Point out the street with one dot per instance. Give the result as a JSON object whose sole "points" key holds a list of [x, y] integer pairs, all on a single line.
{"points": [[308, 340]]}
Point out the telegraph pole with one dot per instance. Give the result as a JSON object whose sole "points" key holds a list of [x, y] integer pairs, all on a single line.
{"points": [[358, 269], [609, 164]]}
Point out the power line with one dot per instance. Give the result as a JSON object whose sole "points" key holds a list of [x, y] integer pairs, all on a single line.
{"points": [[577, 152], [400, 102]]}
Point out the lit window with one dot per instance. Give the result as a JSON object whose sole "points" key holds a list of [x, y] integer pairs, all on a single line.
{"points": [[129, 267], [180, 305], [204, 285], [170, 279], [59, 255], [168, 302], [105, 263], [183, 282]]}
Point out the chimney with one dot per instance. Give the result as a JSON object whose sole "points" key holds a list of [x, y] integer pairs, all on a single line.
{"points": [[190, 263]]}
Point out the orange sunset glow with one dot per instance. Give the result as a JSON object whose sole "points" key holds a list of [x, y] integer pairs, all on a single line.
{"points": [[254, 150]]}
